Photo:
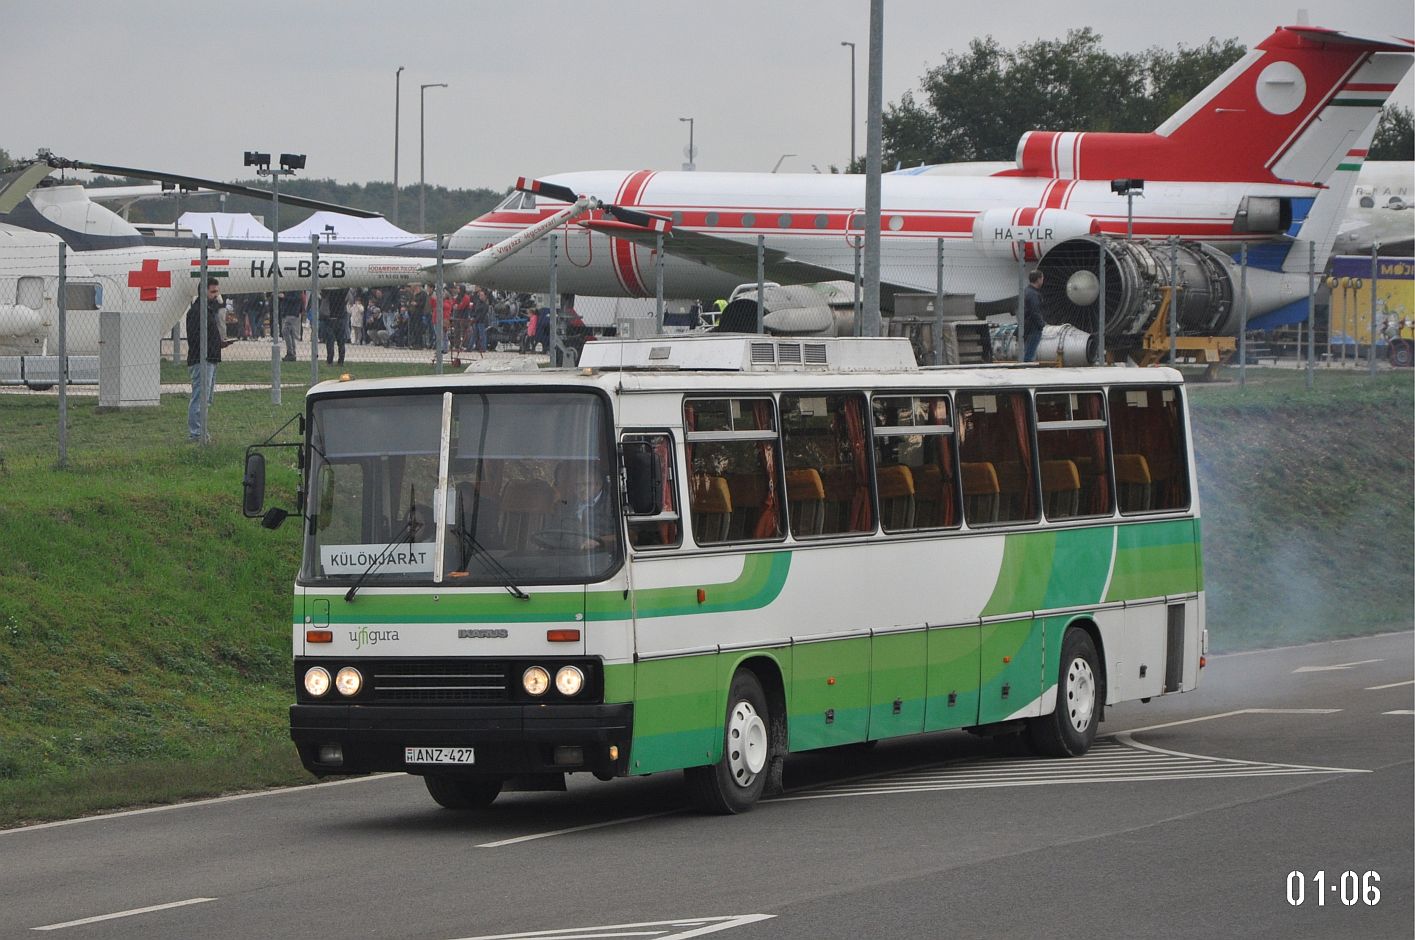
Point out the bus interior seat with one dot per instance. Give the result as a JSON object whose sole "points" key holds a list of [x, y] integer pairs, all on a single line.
{"points": [[805, 495], [1061, 488], [840, 489], [711, 504], [1132, 482], [896, 496], [980, 491], [747, 492], [929, 496], [1013, 483], [525, 506]]}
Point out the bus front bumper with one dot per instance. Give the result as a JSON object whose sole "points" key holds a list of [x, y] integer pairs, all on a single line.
{"points": [[504, 739]]}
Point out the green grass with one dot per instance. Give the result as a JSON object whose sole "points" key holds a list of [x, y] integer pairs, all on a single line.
{"points": [[144, 623]]}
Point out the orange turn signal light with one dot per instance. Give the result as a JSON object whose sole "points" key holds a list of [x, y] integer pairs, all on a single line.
{"points": [[319, 636], [702, 595], [563, 636], [1007, 659]]}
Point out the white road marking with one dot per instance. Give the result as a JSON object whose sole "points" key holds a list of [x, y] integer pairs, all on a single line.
{"points": [[1239, 711], [561, 832], [1121, 760], [694, 927], [1402, 711], [1359, 662], [136, 910], [1392, 685], [211, 802]]}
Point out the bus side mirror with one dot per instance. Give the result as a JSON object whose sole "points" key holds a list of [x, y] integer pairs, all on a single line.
{"points": [[253, 485], [644, 483]]}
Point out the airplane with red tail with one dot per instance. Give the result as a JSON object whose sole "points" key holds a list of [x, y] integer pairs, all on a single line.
{"points": [[1266, 156]]}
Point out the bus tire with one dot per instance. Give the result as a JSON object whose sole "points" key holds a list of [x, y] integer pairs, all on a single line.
{"points": [[1071, 728], [735, 783], [463, 792]]}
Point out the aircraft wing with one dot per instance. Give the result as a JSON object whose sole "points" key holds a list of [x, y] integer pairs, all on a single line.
{"points": [[193, 183], [15, 186], [740, 259]]}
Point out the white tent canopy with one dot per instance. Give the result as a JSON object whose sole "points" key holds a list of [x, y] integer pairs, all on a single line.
{"points": [[223, 225], [335, 229]]}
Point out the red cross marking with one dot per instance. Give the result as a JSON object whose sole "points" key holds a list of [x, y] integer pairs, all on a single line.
{"points": [[148, 279]]}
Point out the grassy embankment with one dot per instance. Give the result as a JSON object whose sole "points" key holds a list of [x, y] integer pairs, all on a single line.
{"points": [[144, 638]]}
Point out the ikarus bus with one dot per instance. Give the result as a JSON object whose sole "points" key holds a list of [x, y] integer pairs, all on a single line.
{"points": [[705, 553]]}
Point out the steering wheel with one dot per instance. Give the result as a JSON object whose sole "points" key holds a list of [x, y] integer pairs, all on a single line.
{"points": [[564, 539]]}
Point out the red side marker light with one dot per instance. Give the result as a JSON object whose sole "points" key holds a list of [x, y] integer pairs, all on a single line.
{"points": [[319, 636], [702, 595], [1203, 661], [563, 636], [1007, 659], [830, 681]]}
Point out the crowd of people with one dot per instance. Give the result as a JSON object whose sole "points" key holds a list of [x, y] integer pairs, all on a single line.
{"points": [[473, 318]]}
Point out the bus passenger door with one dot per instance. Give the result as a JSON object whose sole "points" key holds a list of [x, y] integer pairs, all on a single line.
{"points": [[952, 678], [1011, 670]]}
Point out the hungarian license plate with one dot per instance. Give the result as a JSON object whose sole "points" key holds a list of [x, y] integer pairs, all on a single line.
{"points": [[438, 755]]}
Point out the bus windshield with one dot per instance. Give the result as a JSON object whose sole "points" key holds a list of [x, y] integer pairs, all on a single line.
{"points": [[503, 488]]}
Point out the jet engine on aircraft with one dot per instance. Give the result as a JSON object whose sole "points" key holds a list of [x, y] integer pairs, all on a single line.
{"points": [[1136, 277]]}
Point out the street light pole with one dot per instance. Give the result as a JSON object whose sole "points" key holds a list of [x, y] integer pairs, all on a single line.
{"points": [[852, 100], [397, 104], [422, 154], [691, 165]]}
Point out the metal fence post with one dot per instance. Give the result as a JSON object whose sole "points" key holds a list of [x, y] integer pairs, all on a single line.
{"points": [[439, 330], [316, 308], [1375, 291], [204, 388], [1243, 315], [1173, 300], [1311, 311], [858, 328], [1100, 309], [761, 281], [658, 285], [63, 355], [553, 348], [938, 309]]}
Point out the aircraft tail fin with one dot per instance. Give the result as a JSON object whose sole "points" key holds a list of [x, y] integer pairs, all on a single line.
{"points": [[1323, 220], [1289, 110]]}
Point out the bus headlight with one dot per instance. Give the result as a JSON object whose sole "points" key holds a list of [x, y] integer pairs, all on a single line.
{"points": [[349, 681], [535, 680], [569, 680], [316, 681]]}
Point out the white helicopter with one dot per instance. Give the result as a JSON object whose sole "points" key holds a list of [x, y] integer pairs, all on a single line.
{"points": [[112, 266]]}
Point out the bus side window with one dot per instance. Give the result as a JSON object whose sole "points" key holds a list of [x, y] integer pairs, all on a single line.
{"points": [[732, 443], [915, 462], [827, 464], [664, 530], [995, 428], [1071, 445], [1147, 438]]}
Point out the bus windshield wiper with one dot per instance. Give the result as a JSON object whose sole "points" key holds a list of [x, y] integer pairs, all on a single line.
{"points": [[410, 528], [473, 548]]}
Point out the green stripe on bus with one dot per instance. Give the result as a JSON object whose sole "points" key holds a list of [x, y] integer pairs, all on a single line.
{"points": [[1044, 570], [1155, 559], [762, 578]]}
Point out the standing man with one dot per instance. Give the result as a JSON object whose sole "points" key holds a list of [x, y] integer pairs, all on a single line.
{"points": [[1032, 315], [290, 322], [203, 367]]}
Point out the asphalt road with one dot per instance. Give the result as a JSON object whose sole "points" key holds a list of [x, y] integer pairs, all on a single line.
{"points": [[1184, 821]]}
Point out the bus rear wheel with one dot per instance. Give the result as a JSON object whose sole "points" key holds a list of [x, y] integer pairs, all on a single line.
{"points": [[735, 783], [1071, 728], [463, 792]]}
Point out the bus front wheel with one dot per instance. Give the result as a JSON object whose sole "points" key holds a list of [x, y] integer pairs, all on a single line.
{"points": [[735, 783], [463, 792], [1071, 728]]}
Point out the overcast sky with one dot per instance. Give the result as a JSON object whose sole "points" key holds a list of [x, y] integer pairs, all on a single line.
{"points": [[536, 86]]}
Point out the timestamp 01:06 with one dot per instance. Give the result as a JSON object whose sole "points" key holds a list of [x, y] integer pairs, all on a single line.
{"points": [[1349, 887]]}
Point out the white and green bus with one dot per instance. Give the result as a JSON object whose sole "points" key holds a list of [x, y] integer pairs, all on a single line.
{"points": [[704, 553]]}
